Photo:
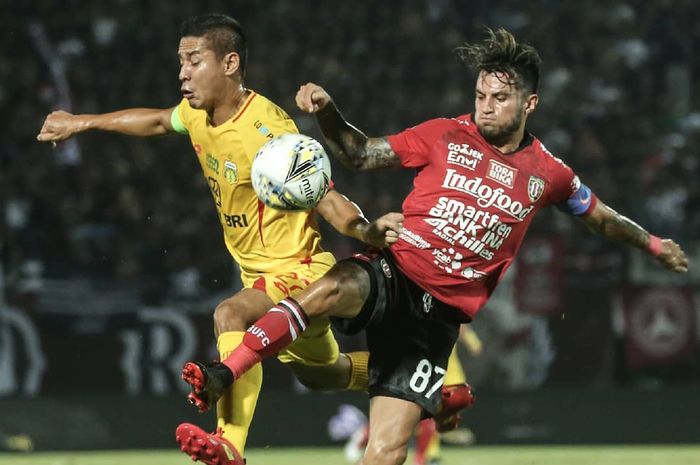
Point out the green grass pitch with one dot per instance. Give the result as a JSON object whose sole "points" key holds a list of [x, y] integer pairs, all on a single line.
{"points": [[527, 455]]}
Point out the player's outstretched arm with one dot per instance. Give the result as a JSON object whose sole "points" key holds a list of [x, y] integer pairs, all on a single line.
{"points": [[610, 224], [347, 143], [347, 218], [60, 125]]}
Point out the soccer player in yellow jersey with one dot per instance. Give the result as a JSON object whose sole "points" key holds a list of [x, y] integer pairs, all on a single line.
{"points": [[279, 253]]}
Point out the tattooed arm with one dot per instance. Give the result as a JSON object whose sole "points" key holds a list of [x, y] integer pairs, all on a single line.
{"points": [[611, 225], [349, 145]]}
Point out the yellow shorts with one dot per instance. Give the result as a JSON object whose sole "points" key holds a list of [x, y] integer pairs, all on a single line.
{"points": [[455, 372], [316, 346]]}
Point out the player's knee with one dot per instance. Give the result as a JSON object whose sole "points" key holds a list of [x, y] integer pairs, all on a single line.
{"points": [[382, 453], [230, 316]]}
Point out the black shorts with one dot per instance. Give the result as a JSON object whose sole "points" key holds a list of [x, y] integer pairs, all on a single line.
{"points": [[410, 334]]}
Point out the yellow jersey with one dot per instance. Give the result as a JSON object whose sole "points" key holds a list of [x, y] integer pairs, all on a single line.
{"points": [[259, 238]]}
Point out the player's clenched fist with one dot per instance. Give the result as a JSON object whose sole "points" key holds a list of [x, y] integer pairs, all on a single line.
{"points": [[385, 230], [672, 256], [312, 98], [59, 125]]}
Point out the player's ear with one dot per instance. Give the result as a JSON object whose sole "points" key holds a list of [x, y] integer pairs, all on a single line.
{"points": [[232, 62], [530, 103]]}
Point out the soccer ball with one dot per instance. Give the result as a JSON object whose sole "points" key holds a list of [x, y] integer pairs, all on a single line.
{"points": [[291, 172]]}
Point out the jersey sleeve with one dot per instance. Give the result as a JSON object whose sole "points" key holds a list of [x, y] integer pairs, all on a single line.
{"points": [[413, 145], [569, 194], [179, 117]]}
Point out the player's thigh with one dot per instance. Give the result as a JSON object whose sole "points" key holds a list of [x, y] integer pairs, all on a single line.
{"points": [[291, 278], [316, 346], [392, 422], [341, 292], [410, 348]]}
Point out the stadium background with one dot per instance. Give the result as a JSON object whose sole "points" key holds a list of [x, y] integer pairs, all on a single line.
{"points": [[112, 262]]}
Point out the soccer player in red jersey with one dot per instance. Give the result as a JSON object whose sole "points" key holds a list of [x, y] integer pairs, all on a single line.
{"points": [[480, 180]]}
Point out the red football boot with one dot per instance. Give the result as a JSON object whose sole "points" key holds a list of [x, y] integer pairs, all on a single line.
{"points": [[211, 449], [208, 383], [454, 398]]}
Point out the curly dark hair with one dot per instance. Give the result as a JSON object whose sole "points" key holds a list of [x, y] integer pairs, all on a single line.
{"points": [[223, 34], [501, 53]]}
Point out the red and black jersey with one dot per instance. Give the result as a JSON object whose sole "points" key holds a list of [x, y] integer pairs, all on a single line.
{"points": [[471, 205]]}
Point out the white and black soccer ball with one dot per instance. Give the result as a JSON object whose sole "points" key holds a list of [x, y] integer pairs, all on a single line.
{"points": [[291, 172]]}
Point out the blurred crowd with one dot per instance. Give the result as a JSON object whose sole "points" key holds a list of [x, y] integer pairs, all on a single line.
{"points": [[619, 102]]}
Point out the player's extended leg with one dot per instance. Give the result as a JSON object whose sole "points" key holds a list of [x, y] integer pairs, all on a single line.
{"points": [[271, 334], [236, 404], [341, 292], [392, 422]]}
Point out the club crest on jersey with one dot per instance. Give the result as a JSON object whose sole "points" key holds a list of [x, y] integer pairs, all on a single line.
{"points": [[501, 173], [230, 172], [535, 188]]}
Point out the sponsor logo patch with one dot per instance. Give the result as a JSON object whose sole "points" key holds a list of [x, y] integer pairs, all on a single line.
{"points": [[414, 239], [487, 196], [473, 275], [463, 155], [212, 163], [501, 173]]}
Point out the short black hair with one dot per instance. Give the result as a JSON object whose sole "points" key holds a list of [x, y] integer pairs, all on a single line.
{"points": [[501, 53], [223, 34]]}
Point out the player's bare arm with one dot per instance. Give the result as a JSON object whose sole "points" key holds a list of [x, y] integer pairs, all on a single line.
{"points": [[347, 218], [610, 224], [61, 125], [347, 143]]}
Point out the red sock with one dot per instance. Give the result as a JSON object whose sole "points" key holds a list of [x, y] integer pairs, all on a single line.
{"points": [[426, 431], [278, 328]]}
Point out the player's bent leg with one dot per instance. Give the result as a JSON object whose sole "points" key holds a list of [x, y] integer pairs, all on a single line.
{"points": [[349, 372], [212, 449], [323, 378], [318, 364], [210, 381], [341, 292], [392, 422]]}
